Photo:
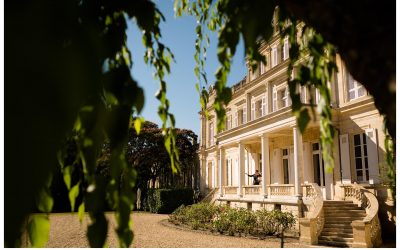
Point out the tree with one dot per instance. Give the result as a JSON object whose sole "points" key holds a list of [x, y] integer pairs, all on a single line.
{"points": [[67, 67]]}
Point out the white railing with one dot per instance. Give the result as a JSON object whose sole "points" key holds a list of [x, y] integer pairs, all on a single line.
{"points": [[366, 232], [252, 190], [280, 190], [311, 227], [230, 189]]}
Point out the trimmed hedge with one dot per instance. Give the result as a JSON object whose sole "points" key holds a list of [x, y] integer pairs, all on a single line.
{"points": [[165, 201]]}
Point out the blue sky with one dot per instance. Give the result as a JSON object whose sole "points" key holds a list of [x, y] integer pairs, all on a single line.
{"points": [[179, 35]]}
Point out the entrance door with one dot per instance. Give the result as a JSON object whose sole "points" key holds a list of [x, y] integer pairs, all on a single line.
{"points": [[285, 165], [318, 165]]}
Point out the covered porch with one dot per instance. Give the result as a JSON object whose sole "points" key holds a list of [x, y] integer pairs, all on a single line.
{"points": [[285, 158]]}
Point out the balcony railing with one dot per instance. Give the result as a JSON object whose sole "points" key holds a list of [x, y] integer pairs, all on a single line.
{"points": [[249, 190], [230, 189], [280, 190]]}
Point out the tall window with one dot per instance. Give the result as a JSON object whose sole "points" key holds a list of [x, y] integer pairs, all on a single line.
{"points": [[282, 98], [274, 56], [262, 68], [258, 109], [229, 119], [315, 95], [361, 157], [241, 114], [355, 89], [285, 165], [244, 115], [318, 164], [211, 138]]}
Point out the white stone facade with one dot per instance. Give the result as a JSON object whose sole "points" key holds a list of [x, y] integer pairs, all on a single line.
{"points": [[261, 134]]}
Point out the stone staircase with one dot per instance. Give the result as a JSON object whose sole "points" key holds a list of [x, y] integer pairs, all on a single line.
{"points": [[337, 229]]}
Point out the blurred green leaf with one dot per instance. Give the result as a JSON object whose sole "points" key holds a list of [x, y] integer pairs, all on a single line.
{"points": [[38, 230], [73, 194]]}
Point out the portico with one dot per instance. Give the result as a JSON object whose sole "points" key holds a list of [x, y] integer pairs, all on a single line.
{"points": [[279, 154]]}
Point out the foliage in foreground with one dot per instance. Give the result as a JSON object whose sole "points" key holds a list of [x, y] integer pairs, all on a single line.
{"points": [[231, 221]]}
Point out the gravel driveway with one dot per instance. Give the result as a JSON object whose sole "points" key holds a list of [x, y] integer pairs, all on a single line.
{"points": [[150, 232]]}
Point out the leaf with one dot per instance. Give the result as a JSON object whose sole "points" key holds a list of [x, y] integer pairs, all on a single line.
{"points": [[138, 125], [38, 230], [81, 211], [44, 201], [97, 231], [303, 120], [73, 194]]}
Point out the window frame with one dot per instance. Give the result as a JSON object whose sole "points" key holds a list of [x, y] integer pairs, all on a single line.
{"points": [[357, 87]]}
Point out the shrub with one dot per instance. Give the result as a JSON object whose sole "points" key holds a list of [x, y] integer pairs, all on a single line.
{"points": [[167, 200], [223, 221], [196, 216], [265, 223], [228, 220]]}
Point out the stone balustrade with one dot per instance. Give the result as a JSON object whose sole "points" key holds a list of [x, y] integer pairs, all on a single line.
{"points": [[230, 189], [312, 226], [252, 190], [366, 232], [280, 190]]}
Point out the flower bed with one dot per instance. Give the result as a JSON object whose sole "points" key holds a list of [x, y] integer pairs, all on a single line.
{"points": [[233, 221]]}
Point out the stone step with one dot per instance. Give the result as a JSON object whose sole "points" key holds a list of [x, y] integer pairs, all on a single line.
{"points": [[345, 214], [336, 239], [340, 206], [333, 211], [337, 201], [346, 219], [337, 234], [338, 225], [337, 229], [334, 243]]}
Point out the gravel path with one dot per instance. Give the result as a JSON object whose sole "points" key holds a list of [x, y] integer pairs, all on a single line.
{"points": [[151, 232]]}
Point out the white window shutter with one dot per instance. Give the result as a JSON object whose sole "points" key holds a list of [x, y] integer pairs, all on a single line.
{"points": [[302, 90], [274, 99], [262, 66], [236, 121], [253, 109], [345, 158], [288, 100], [263, 107], [286, 49], [274, 56], [244, 115], [372, 149]]}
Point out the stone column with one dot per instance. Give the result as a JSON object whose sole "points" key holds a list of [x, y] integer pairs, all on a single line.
{"points": [[215, 170], [221, 170], [298, 161], [266, 170], [240, 170]]}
